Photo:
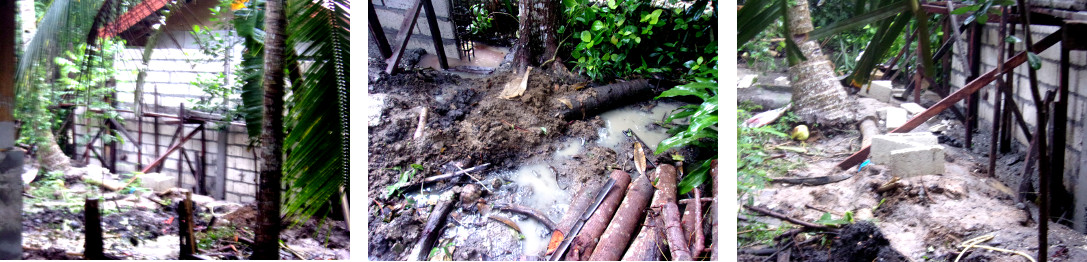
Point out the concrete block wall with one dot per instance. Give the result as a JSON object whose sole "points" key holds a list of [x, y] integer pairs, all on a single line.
{"points": [[1048, 79], [391, 13], [171, 71]]}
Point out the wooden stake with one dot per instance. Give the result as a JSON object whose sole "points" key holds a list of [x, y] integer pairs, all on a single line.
{"points": [[92, 219]]}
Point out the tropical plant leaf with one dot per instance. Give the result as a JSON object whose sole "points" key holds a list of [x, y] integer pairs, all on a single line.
{"points": [[315, 164], [695, 178], [1034, 60], [860, 20]]}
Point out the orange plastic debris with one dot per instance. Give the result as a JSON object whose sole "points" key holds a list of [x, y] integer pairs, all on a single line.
{"points": [[556, 239]]}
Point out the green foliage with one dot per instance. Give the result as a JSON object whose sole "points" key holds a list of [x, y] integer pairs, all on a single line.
{"points": [[826, 219], [405, 179], [613, 42], [763, 54], [49, 187], [207, 240], [481, 19], [84, 82], [980, 10], [754, 164], [701, 119], [757, 233]]}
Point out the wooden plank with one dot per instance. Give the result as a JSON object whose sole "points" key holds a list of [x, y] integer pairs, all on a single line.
{"points": [[950, 100], [404, 35]]}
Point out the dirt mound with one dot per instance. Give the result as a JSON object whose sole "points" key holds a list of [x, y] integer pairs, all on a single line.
{"points": [[863, 242]]}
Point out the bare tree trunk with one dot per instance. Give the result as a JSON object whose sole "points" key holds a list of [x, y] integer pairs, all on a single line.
{"points": [[817, 95], [50, 156], [266, 244], [537, 41], [27, 22]]}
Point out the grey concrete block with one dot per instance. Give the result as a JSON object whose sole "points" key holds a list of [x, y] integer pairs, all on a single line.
{"points": [[879, 89], [913, 108], [882, 145], [158, 181], [896, 117], [917, 161]]}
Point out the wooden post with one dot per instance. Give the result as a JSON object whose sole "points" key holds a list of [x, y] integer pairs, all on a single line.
{"points": [[184, 215], [378, 33], [404, 35], [92, 220]]}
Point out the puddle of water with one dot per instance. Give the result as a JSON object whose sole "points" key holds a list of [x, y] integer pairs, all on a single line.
{"points": [[634, 118], [569, 149], [484, 56], [540, 189], [536, 236]]}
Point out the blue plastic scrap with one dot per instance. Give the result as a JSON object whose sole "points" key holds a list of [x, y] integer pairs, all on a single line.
{"points": [[865, 163]]}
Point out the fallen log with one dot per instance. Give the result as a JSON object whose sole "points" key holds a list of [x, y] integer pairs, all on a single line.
{"points": [[617, 236], [581, 105], [784, 217], [674, 232], [586, 239], [699, 237], [869, 129], [581, 200], [647, 245], [813, 181], [432, 230]]}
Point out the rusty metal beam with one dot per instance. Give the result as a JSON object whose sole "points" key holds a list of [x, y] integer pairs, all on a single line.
{"points": [[436, 34], [378, 33], [403, 36], [171, 150], [950, 100]]}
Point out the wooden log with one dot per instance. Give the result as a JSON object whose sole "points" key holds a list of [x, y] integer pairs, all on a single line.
{"points": [[185, 225], [432, 230], [698, 235], [647, 245], [586, 239], [869, 129], [92, 219], [677, 243], [581, 200], [584, 104], [625, 223]]}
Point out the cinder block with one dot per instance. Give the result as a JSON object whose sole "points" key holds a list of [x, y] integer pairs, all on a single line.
{"points": [[879, 89], [882, 145], [781, 81], [896, 117], [158, 181], [745, 81], [376, 103], [917, 161], [913, 108]]}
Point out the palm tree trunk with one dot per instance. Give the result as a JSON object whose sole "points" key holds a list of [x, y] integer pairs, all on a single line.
{"points": [[27, 21], [50, 156], [817, 95], [537, 41], [266, 244]]}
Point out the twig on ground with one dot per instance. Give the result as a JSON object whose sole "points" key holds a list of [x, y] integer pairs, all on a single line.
{"points": [[506, 221], [786, 218], [687, 201], [530, 213], [422, 123]]}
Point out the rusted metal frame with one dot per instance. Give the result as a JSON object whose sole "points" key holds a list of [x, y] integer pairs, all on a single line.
{"points": [[1043, 216], [435, 33], [89, 146], [971, 87], [901, 52], [403, 36], [155, 127], [1061, 198], [203, 163], [172, 148], [996, 95], [139, 142], [177, 134], [193, 169], [1009, 102], [975, 70], [378, 33]]}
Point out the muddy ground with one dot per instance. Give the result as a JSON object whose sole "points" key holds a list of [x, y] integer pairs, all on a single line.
{"points": [[926, 218], [536, 160]]}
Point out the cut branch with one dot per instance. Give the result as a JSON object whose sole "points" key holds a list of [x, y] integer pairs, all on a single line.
{"points": [[528, 211], [647, 245], [674, 231], [784, 217], [586, 239], [625, 222]]}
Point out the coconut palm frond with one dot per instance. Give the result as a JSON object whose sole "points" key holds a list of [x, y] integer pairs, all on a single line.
{"points": [[314, 165], [249, 23]]}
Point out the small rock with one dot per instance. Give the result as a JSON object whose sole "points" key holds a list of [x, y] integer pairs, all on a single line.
{"points": [[781, 81], [470, 193]]}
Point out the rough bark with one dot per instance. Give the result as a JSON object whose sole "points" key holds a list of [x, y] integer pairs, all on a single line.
{"points": [[266, 244], [537, 41], [817, 94], [677, 243], [50, 156], [647, 246], [432, 230], [27, 21], [581, 105], [586, 240], [624, 224]]}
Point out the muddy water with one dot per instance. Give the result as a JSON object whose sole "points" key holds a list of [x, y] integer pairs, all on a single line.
{"points": [[636, 118]]}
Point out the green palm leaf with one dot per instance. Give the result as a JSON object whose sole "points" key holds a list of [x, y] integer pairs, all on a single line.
{"points": [[314, 165]]}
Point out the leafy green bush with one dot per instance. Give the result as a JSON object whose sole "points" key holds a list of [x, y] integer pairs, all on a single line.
{"points": [[620, 38], [701, 120], [83, 82]]}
